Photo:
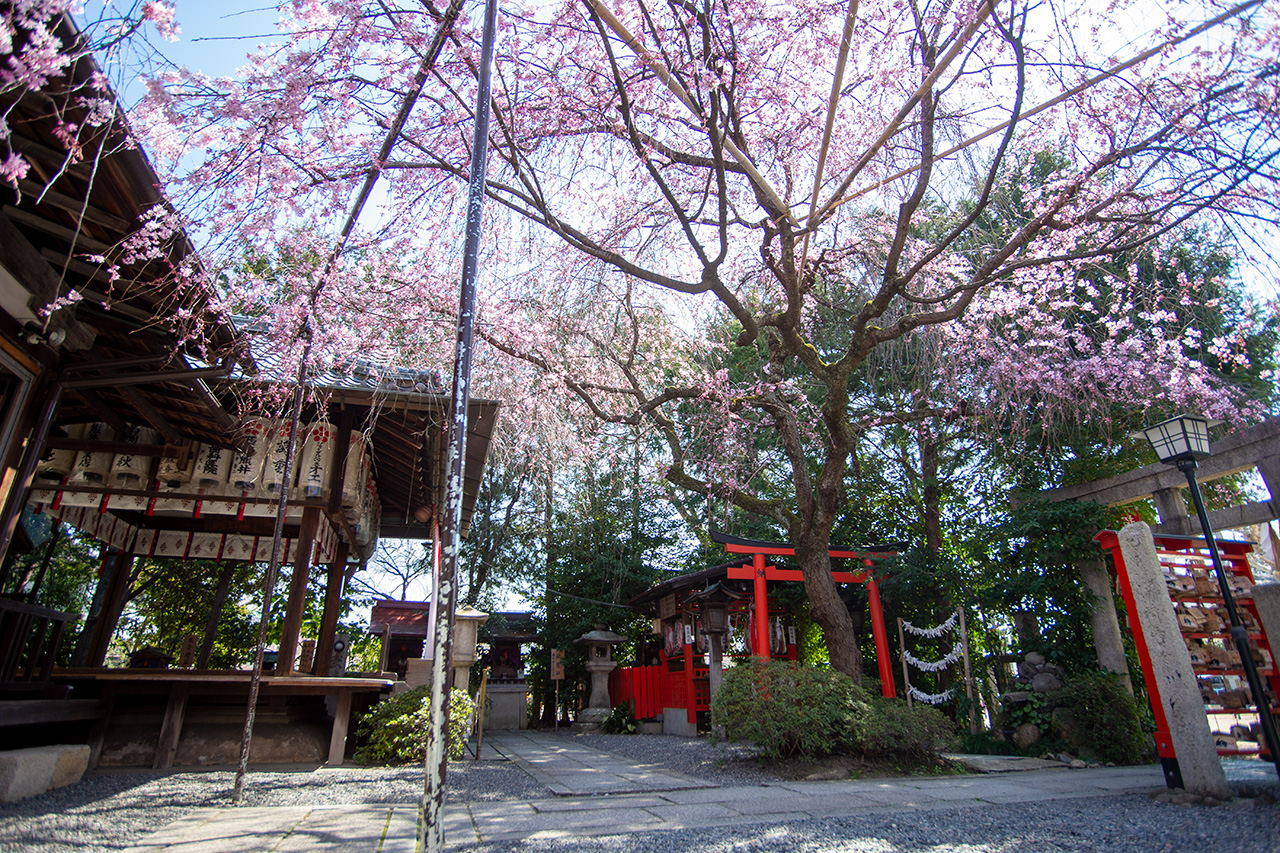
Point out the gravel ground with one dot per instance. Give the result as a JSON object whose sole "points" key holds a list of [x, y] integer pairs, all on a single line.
{"points": [[106, 812], [111, 811]]}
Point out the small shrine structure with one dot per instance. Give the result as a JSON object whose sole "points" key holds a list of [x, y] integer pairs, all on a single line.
{"points": [[677, 685]]}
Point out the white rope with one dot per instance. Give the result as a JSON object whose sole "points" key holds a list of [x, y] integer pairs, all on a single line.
{"points": [[933, 666], [932, 632], [931, 698]]}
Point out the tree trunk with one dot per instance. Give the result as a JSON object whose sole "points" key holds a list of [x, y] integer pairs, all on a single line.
{"points": [[215, 615], [825, 604]]}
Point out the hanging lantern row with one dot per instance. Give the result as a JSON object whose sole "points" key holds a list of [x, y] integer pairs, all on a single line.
{"points": [[227, 482]]}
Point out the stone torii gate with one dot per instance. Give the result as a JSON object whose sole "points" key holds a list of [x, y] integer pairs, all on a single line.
{"points": [[1255, 448], [760, 572]]}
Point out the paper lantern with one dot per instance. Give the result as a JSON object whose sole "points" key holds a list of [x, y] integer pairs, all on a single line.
{"points": [[246, 467], [129, 470], [317, 459], [56, 466], [89, 467]]}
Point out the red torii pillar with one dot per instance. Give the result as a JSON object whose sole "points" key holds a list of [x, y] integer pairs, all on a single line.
{"points": [[759, 573]]}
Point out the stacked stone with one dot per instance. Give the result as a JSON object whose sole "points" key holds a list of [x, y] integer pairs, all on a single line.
{"points": [[1035, 676]]}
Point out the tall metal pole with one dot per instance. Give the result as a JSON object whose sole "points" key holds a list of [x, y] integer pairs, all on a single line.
{"points": [[1238, 633], [430, 830], [269, 581]]}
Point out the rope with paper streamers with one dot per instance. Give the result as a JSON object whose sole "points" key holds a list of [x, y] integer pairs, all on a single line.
{"points": [[932, 633], [931, 698], [960, 651], [933, 665]]}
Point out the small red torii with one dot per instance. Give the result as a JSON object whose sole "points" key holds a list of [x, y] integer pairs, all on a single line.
{"points": [[759, 573]]}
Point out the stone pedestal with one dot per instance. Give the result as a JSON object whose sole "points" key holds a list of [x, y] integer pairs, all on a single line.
{"points": [[599, 706], [506, 706]]}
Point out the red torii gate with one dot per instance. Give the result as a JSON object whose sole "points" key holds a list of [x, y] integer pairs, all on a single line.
{"points": [[759, 572]]}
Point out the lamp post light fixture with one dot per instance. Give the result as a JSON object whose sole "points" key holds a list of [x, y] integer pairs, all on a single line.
{"points": [[1181, 441]]}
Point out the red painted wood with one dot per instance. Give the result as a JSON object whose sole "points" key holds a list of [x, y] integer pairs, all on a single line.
{"points": [[881, 639]]}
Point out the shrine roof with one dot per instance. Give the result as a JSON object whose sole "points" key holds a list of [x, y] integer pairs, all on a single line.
{"points": [[402, 617]]}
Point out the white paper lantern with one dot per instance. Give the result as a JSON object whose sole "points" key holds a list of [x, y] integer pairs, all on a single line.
{"points": [[56, 466], [356, 474], [246, 467], [274, 475], [93, 468], [317, 459], [172, 474], [212, 468], [129, 470]]}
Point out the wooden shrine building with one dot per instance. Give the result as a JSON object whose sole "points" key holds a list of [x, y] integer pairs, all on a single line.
{"points": [[123, 413]]}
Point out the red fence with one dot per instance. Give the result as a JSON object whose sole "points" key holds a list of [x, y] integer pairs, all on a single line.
{"points": [[653, 688]]}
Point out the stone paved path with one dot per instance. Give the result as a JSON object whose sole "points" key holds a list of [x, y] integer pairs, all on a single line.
{"points": [[569, 769], [589, 800]]}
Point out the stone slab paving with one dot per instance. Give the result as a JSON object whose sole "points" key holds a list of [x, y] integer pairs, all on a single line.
{"points": [[569, 769], [591, 802]]}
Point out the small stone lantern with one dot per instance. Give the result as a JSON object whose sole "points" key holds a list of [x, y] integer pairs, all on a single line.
{"points": [[600, 663], [465, 630]]}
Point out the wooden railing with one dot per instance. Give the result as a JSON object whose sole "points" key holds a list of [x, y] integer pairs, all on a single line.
{"points": [[29, 640]]}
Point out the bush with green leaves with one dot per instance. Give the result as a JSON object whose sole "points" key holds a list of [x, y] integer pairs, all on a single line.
{"points": [[786, 709], [1096, 714], [893, 731], [395, 731]]}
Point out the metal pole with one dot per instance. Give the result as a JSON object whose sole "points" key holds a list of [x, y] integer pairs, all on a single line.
{"points": [[269, 582], [430, 830], [1238, 633]]}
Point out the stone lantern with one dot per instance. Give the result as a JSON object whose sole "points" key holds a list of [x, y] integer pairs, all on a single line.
{"points": [[600, 663], [465, 630]]}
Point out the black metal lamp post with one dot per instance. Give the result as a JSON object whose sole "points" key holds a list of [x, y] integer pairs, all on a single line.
{"points": [[1181, 441]]}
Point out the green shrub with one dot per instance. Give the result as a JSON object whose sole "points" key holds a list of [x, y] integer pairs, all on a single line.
{"points": [[1099, 716], [395, 731], [622, 719], [891, 730], [786, 709]]}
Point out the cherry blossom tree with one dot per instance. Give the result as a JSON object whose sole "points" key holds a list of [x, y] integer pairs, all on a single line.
{"points": [[825, 179]]}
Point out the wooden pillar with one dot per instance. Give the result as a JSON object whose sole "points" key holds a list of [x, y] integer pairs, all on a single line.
{"points": [[881, 639], [292, 625], [762, 608], [332, 604]]}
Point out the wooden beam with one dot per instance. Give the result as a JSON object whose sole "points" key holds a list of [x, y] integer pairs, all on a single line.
{"points": [[152, 415], [291, 626], [55, 160], [332, 604], [341, 722], [169, 451], [171, 727], [77, 207], [99, 405], [78, 242]]}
